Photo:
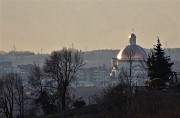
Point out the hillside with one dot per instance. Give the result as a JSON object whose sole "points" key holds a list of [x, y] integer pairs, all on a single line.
{"points": [[93, 58]]}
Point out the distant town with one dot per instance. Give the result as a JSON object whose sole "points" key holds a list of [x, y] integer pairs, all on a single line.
{"points": [[97, 68]]}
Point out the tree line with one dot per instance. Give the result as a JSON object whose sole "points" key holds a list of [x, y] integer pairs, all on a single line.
{"points": [[47, 88]]}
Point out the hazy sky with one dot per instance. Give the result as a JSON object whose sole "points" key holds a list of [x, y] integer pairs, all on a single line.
{"points": [[88, 24]]}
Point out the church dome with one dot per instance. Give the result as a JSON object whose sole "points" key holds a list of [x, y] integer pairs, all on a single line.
{"points": [[132, 51], [135, 52]]}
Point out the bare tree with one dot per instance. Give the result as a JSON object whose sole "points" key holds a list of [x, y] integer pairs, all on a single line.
{"points": [[62, 67], [19, 93], [36, 79], [42, 94], [123, 75], [7, 96], [12, 95], [126, 72], [35, 87], [130, 55]]}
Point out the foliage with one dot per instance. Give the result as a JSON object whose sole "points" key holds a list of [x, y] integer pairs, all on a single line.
{"points": [[158, 64], [157, 82], [79, 103], [82, 112], [46, 102], [114, 102], [148, 104], [119, 102]]}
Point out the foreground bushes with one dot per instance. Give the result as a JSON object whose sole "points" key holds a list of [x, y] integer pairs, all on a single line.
{"points": [[122, 102], [154, 104]]}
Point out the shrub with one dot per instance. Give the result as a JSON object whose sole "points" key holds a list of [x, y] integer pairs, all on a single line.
{"points": [[157, 83], [79, 103]]}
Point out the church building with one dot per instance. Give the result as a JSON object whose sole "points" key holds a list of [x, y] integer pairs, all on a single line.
{"points": [[130, 64]]}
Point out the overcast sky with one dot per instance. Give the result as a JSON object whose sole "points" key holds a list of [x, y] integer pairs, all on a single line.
{"points": [[87, 24]]}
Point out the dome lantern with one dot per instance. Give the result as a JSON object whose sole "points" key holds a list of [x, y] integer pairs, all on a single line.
{"points": [[132, 39]]}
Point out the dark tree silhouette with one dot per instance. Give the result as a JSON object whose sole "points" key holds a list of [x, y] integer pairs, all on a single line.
{"points": [[37, 82], [130, 55], [61, 67], [7, 96], [114, 101], [19, 93], [11, 93], [79, 103], [158, 64], [36, 79], [47, 103]]}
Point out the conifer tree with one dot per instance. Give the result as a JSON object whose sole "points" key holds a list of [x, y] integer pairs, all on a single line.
{"points": [[158, 64]]}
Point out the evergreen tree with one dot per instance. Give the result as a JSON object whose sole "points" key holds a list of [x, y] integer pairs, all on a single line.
{"points": [[158, 64]]}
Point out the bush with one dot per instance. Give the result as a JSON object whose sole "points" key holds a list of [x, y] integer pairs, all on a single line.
{"points": [[157, 83], [79, 103], [114, 102]]}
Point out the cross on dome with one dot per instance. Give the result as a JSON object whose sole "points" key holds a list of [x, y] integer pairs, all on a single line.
{"points": [[132, 30]]}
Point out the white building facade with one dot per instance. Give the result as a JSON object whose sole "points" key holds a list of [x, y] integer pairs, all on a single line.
{"points": [[130, 64]]}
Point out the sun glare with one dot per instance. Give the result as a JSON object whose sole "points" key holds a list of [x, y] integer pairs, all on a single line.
{"points": [[119, 56]]}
